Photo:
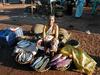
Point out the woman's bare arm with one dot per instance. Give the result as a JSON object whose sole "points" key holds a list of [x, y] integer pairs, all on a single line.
{"points": [[56, 32], [44, 31]]}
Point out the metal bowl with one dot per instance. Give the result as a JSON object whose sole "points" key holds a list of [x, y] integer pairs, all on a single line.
{"points": [[74, 43]]}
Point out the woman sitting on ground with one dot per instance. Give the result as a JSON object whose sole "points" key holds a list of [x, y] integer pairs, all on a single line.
{"points": [[50, 36]]}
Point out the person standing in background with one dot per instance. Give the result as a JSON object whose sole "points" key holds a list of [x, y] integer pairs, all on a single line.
{"points": [[69, 8], [94, 6], [23, 1], [87, 3], [79, 8], [61, 2], [4, 2]]}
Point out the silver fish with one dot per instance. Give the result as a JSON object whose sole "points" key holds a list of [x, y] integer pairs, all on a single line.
{"points": [[40, 63], [56, 57], [64, 63], [38, 60], [58, 61], [44, 64]]}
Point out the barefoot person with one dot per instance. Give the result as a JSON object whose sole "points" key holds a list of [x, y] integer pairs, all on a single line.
{"points": [[50, 36], [95, 4], [79, 8]]}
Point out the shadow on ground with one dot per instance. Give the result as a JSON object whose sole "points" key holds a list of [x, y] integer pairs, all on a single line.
{"points": [[6, 59]]}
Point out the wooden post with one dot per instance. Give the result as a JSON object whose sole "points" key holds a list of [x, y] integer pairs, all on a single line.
{"points": [[31, 7]]}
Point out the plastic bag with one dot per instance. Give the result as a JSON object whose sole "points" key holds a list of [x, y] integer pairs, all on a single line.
{"points": [[82, 60]]}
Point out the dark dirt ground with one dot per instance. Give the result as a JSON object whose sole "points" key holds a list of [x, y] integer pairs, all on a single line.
{"points": [[88, 42]]}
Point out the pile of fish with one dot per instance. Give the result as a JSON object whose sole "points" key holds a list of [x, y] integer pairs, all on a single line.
{"points": [[28, 52]]}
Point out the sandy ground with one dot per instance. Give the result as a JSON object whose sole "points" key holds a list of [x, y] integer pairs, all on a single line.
{"points": [[89, 42], [14, 14]]}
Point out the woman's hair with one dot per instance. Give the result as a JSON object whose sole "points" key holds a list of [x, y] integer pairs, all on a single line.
{"points": [[50, 17]]}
